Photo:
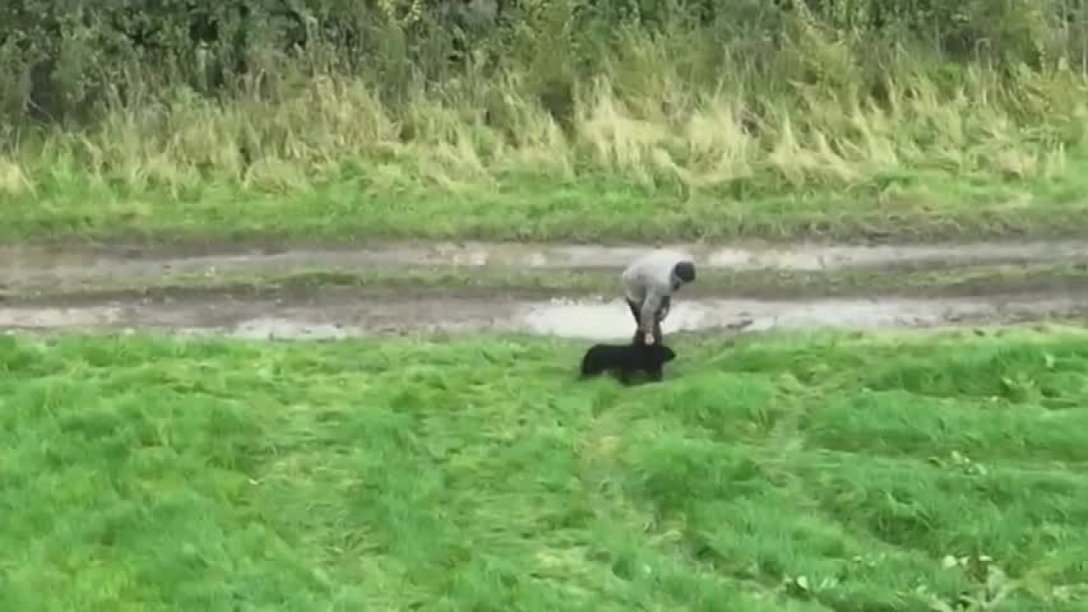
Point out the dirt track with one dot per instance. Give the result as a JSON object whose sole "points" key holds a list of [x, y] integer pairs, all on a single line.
{"points": [[344, 316], [335, 312], [88, 262]]}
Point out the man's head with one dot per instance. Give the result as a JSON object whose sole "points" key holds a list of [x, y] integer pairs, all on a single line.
{"points": [[683, 272]]}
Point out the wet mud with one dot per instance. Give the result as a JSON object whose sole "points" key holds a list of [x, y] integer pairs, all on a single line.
{"points": [[317, 312], [43, 264], [345, 315]]}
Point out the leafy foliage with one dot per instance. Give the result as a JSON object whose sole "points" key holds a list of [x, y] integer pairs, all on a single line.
{"points": [[63, 59]]}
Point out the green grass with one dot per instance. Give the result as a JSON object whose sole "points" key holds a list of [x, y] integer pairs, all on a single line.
{"points": [[820, 472], [583, 209]]}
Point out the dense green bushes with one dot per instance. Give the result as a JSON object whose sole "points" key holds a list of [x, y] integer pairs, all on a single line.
{"points": [[759, 112], [62, 59]]}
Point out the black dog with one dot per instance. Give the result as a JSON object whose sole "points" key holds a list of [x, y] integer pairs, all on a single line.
{"points": [[627, 359]]}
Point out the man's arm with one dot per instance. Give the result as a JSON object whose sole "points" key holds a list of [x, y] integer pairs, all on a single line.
{"points": [[649, 310]]}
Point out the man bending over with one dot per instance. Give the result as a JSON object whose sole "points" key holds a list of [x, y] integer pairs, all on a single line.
{"points": [[648, 285]]}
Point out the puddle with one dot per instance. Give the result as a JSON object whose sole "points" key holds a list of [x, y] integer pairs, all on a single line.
{"points": [[74, 263], [584, 319], [324, 316], [274, 329], [612, 320]]}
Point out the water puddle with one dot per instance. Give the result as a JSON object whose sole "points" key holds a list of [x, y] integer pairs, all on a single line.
{"points": [[585, 319], [612, 320]]}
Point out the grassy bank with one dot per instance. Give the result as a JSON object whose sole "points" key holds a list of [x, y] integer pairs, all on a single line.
{"points": [[801, 127], [793, 473]]}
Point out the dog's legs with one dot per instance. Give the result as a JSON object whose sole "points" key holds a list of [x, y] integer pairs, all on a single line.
{"points": [[656, 374]]}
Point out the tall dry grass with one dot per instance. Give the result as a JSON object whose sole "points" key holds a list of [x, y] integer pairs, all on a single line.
{"points": [[820, 108]]}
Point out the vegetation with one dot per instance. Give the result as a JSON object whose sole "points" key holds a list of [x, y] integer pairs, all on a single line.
{"points": [[799, 472], [562, 119], [795, 473]]}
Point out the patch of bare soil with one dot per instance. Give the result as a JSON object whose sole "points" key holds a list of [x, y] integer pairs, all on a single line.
{"points": [[38, 264], [312, 312], [343, 314]]}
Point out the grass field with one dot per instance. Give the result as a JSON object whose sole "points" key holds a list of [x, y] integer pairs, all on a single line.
{"points": [[818, 472], [578, 208]]}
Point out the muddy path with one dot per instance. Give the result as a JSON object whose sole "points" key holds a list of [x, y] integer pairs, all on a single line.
{"points": [[33, 282], [337, 314], [62, 264]]}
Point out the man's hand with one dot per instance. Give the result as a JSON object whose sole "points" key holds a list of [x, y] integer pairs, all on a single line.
{"points": [[649, 339]]}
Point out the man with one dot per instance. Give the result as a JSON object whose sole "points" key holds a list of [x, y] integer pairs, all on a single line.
{"points": [[648, 285]]}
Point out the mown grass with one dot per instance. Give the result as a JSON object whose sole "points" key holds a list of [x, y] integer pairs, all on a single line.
{"points": [[845, 472], [676, 135]]}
